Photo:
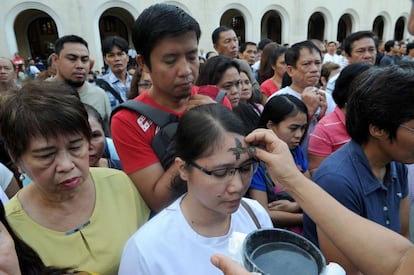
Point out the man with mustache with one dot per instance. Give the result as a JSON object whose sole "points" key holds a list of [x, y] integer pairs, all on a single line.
{"points": [[304, 61], [73, 64], [115, 54], [226, 43]]}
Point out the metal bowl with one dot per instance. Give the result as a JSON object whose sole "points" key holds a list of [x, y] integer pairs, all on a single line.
{"points": [[279, 251]]}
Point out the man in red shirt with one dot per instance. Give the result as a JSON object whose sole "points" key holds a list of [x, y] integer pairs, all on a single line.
{"points": [[166, 39]]}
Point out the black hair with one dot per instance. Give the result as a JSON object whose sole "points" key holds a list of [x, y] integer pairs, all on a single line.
{"points": [[262, 43], [343, 83], [60, 42], [244, 45], [110, 42], [195, 142], [350, 39], [210, 53], [286, 80], [215, 36], [410, 46], [382, 97], [214, 69], [157, 22], [293, 53], [388, 45], [280, 107]]}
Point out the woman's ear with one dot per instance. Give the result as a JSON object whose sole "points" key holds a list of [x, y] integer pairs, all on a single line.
{"points": [[181, 165]]}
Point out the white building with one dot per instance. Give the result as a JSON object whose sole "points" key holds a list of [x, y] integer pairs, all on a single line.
{"points": [[31, 27]]}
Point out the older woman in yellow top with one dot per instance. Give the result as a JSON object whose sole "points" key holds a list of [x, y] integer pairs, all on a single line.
{"points": [[72, 215]]}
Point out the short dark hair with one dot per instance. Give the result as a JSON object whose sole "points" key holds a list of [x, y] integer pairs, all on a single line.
{"points": [[389, 44], [410, 46], [193, 141], [244, 45], [214, 69], [293, 53], [262, 43], [350, 39], [60, 42], [41, 108], [383, 97], [215, 36], [280, 107], [343, 83], [157, 22], [111, 41], [210, 53]]}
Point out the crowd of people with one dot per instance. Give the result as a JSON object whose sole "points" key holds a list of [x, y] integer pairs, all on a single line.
{"points": [[313, 137]]}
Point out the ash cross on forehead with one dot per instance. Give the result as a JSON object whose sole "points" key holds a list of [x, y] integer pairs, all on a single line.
{"points": [[239, 149]]}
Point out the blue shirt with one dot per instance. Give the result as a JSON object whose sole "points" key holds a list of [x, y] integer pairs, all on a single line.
{"points": [[300, 159], [121, 88], [259, 178], [346, 174]]}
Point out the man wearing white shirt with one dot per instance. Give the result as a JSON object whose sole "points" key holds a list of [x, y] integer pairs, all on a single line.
{"points": [[304, 61], [359, 47], [331, 55]]}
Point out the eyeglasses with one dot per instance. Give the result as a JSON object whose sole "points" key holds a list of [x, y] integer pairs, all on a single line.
{"points": [[145, 84], [408, 128], [246, 170]]}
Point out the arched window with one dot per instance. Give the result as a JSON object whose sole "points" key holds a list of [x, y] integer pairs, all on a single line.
{"points": [[35, 33], [378, 27], [316, 26], [344, 27], [399, 29], [110, 25], [41, 35], [271, 26]]}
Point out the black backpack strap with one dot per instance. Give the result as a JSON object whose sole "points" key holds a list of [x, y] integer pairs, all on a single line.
{"points": [[105, 85], [251, 213], [220, 95], [159, 117]]}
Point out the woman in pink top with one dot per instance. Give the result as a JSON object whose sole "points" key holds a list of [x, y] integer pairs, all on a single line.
{"points": [[272, 68]]}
